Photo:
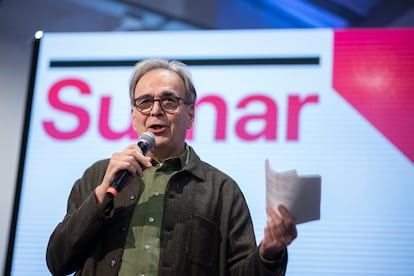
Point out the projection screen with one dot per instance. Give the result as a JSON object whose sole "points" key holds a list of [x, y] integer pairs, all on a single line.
{"points": [[337, 103]]}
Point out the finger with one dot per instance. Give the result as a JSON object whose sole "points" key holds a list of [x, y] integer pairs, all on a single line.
{"points": [[145, 161], [277, 228], [284, 212], [288, 220], [286, 227], [267, 235], [271, 239], [273, 214], [123, 162], [274, 238], [137, 162], [276, 223], [273, 232]]}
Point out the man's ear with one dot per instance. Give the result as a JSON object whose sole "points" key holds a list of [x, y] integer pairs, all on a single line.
{"points": [[133, 120], [191, 114]]}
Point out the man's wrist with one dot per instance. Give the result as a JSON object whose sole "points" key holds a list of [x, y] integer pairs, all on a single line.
{"points": [[279, 256]]}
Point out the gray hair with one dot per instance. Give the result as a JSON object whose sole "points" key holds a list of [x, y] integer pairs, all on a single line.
{"points": [[144, 66]]}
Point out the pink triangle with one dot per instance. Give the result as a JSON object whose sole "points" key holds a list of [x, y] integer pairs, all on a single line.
{"points": [[374, 72]]}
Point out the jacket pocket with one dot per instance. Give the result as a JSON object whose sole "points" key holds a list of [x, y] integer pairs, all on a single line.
{"points": [[205, 243]]}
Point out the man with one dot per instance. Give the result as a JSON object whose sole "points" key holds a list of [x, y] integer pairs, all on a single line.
{"points": [[177, 215]]}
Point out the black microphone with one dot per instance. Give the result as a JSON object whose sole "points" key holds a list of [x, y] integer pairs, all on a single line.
{"points": [[146, 141]]}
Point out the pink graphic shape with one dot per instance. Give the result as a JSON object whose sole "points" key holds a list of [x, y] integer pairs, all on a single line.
{"points": [[374, 72]]}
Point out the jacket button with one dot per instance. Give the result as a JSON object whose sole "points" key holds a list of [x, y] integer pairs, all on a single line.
{"points": [[131, 196], [113, 263]]}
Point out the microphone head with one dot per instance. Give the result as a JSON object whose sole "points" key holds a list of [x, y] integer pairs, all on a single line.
{"points": [[146, 141]]}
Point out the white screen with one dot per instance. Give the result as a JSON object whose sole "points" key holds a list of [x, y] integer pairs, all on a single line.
{"points": [[321, 99]]}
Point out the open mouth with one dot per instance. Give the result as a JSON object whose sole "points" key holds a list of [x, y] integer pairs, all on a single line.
{"points": [[156, 128]]}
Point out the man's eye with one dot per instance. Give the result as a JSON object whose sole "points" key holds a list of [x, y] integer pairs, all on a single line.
{"points": [[144, 101], [168, 99]]}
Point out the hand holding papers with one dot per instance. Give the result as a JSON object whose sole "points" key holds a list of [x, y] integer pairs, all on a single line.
{"points": [[300, 194]]}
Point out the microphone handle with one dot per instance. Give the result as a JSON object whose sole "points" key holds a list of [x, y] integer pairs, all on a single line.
{"points": [[145, 147], [118, 183]]}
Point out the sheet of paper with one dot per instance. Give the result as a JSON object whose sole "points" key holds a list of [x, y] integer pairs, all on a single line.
{"points": [[300, 194]]}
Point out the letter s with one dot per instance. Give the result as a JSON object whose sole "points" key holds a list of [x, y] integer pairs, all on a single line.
{"points": [[57, 103]]}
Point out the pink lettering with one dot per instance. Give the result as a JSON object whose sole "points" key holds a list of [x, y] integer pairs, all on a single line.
{"points": [[104, 128], [269, 118], [80, 113], [295, 105], [221, 116]]}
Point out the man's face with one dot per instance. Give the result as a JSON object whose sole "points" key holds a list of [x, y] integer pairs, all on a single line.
{"points": [[170, 127]]}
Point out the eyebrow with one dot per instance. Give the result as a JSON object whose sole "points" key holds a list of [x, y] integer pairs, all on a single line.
{"points": [[163, 94]]}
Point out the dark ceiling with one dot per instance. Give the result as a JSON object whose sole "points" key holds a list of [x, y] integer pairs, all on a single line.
{"points": [[284, 13], [21, 18]]}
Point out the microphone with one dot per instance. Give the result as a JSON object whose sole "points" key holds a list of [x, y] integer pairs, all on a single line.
{"points": [[146, 141]]}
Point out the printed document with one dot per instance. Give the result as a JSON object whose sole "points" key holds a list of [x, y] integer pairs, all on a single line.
{"points": [[300, 194]]}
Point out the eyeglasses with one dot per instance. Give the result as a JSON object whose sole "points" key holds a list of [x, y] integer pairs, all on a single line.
{"points": [[168, 103]]}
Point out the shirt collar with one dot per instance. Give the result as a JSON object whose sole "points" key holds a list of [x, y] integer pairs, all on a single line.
{"points": [[174, 163]]}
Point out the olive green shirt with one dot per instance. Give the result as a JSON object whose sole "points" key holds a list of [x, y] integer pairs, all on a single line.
{"points": [[142, 245]]}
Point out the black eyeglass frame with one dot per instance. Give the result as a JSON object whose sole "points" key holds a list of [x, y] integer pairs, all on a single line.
{"points": [[159, 100]]}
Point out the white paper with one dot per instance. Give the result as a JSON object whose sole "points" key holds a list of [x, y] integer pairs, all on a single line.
{"points": [[300, 194]]}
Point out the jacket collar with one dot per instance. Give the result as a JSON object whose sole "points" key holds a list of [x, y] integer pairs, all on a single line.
{"points": [[195, 166]]}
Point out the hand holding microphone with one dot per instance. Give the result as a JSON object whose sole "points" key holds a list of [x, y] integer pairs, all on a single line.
{"points": [[146, 141]]}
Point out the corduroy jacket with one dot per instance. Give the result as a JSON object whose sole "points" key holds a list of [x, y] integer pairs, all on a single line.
{"points": [[206, 228]]}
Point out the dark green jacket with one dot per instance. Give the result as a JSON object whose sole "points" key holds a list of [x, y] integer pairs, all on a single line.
{"points": [[206, 229]]}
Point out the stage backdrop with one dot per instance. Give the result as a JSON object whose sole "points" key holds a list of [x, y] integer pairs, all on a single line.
{"points": [[338, 103]]}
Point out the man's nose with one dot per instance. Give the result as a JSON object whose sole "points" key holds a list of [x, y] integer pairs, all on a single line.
{"points": [[156, 107]]}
